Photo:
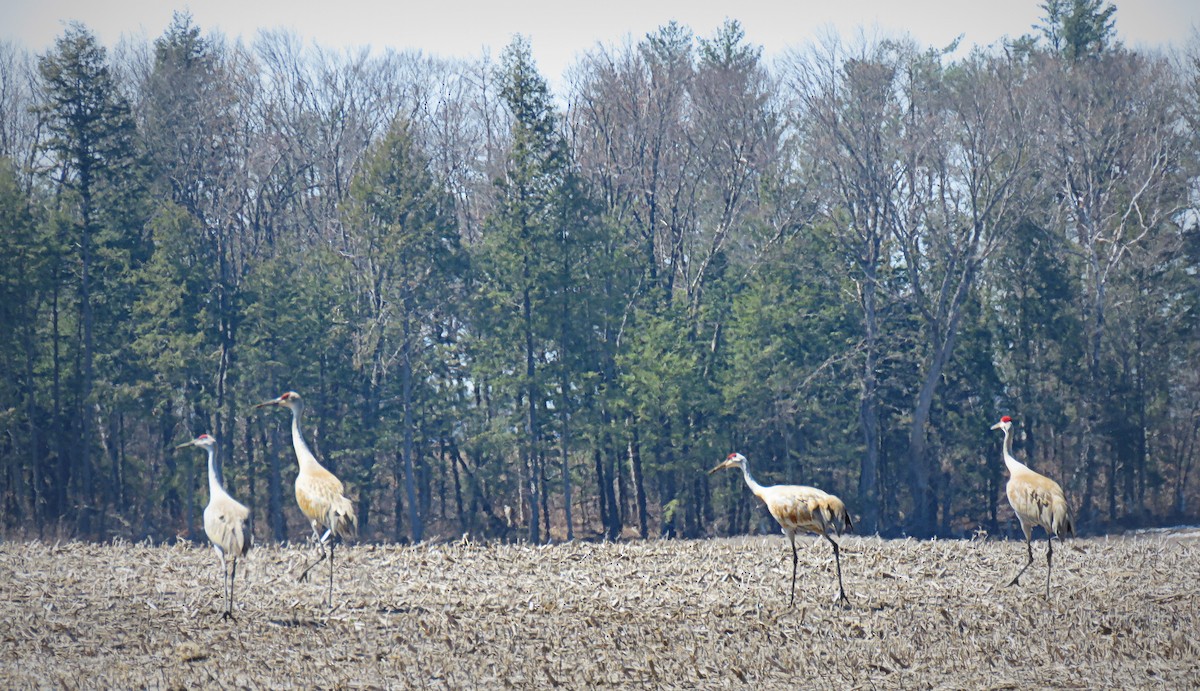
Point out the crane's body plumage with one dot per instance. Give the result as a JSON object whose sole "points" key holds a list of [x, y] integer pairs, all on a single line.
{"points": [[319, 493], [1037, 500], [224, 522], [800, 508], [323, 501]]}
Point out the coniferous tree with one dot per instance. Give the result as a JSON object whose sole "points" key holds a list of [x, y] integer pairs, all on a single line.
{"points": [[24, 496], [1078, 28], [405, 242], [517, 270], [95, 162]]}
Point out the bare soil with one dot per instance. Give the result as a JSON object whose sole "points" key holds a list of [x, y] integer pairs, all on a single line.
{"points": [[1124, 613]]}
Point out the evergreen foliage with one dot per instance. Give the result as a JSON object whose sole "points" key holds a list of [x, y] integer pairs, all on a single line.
{"points": [[523, 315]]}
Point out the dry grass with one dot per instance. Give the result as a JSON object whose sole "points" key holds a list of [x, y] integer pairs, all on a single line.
{"points": [[1125, 613]]}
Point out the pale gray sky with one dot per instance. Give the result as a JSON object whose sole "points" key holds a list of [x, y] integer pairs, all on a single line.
{"points": [[559, 30]]}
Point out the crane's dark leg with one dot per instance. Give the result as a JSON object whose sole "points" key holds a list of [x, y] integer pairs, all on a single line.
{"points": [[795, 560], [232, 580], [837, 559], [304, 574], [332, 542], [1029, 548], [321, 540], [1049, 553], [224, 582]]}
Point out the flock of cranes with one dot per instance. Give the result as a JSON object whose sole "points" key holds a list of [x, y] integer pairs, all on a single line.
{"points": [[319, 493], [1036, 499]]}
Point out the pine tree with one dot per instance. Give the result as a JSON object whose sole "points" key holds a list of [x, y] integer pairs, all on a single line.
{"points": [[1078, 28], [520, 263], [93, 146], [407, 252]]}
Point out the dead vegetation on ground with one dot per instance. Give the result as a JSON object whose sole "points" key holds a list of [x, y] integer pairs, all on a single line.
{"points": [[1124, 613]]}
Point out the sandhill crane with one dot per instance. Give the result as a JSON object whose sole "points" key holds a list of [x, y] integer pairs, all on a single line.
{"points": [[797, 508], [224, 522], [1037, 500], [318, 492]]}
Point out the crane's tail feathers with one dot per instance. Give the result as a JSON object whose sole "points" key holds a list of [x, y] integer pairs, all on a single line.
{"points": [[1056, 516], [1064, 523], [834, 515], [343, 520]]}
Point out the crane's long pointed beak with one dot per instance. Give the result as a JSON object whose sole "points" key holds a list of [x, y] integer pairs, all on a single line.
{"points": [[273, 401], [185, 445], [998, 425], [716, 469]]}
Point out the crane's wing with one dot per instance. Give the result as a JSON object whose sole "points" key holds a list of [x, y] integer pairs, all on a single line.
{"points": [[1038, 500], [225, 525], [320, 497], [808, 508]]}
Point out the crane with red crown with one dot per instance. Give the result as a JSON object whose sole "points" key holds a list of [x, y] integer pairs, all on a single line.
{"points": [[1037, 501]]}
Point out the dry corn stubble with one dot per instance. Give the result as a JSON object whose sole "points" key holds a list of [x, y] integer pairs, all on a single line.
{"points": [[1124, 613]]}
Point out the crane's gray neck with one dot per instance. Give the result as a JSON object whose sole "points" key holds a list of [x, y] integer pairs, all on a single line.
{"points": [[304, 456], [750, 482], [216, 480], [1010, 460]]}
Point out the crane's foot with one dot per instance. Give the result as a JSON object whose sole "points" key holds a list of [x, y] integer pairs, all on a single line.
{"points": [[302, 577], [228, 615], [1014, 581], [842, 601]]}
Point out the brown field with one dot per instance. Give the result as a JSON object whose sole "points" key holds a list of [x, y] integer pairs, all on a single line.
{"points": [[1125, 613]]}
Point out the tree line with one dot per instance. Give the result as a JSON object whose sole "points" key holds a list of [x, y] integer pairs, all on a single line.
{"points": [[533, 316]]}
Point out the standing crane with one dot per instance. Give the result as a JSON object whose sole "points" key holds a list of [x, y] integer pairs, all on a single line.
{"points": [[224, 522], [318, 492], [1037, 500], [797, 508]]}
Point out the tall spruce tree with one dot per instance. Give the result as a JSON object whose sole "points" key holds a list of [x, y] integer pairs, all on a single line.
{"points": [[23, 285], [95, 162], [1078, 28], [406, 248], [517, 271]]}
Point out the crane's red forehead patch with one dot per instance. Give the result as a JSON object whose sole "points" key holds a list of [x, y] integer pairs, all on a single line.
{"points": [[204, 437], [1006, 419], [286, 395], [731, 456]]}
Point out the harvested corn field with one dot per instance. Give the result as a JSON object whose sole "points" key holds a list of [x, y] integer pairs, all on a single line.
{"points": [[1125, 612]]}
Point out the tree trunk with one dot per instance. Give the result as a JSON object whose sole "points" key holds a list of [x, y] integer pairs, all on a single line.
{"points": [[62, 483], [275, 489], [602, 491], [924, 498], [416, 526], [37, 498], [616, 514], [1092, 400], [566, 471], [531, 426], [459, 509], [86, 485], [868, 416], [252, 490], [639, 483]]}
